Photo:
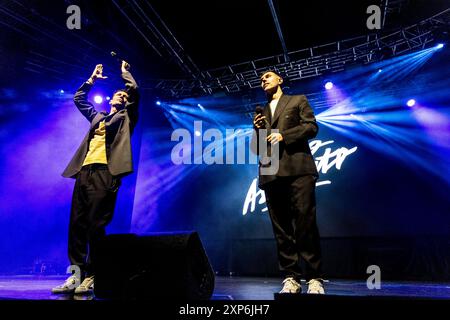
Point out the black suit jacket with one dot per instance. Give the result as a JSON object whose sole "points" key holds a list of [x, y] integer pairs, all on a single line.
{"points": [[294, 118], [119, 126]]}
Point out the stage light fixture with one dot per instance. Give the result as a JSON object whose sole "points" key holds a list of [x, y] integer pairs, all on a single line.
{"points": [[328, 85], [411, 102], [98, 99], [158, 103], [441, 36]]}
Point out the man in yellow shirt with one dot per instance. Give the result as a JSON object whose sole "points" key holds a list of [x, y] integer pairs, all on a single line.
{"points": [[102, 159]]}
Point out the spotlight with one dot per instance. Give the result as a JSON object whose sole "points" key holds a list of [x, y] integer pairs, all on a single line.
{"points": [[411, 102], [441, 36], [329, 85], [158, 103], [98, 99], [380, 70], [61, 91], [197, 133], [108, 98]]}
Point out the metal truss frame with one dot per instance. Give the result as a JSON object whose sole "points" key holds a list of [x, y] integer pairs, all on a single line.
{"points": [[310, 62]]}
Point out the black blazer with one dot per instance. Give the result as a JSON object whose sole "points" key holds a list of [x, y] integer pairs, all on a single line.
{"points": [[119, 126], [294, 118]]}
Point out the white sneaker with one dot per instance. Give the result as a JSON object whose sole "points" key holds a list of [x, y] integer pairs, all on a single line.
{"points": [[315, 286], [68, 286], [290, 285], [86, 287]]}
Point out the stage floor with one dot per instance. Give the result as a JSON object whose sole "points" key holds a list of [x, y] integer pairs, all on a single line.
{"points": [[31, 287]]}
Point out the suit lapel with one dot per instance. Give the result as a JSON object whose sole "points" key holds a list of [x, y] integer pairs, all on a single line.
{"points": [[279, 109], [99, 117]]}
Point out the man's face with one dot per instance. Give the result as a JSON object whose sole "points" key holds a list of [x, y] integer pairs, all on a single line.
{"points": [[270, 81], [119, 98]]}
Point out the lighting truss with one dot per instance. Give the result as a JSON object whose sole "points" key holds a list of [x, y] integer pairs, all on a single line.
{"points": [[306, 63]]}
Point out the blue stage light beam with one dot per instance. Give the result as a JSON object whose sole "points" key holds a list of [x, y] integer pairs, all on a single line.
{"points": [[374, 115]]}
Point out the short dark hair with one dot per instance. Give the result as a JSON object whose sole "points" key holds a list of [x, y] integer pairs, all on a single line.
{"points": [[270, 70], [121, 90]]}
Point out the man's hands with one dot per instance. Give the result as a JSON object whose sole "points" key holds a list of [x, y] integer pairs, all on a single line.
{"points": [[274, 138], [125, 66], [259, 122], [97, 74]]}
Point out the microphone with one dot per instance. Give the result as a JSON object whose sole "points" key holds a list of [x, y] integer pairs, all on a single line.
{"points": [[118, 57], [260, 110]]}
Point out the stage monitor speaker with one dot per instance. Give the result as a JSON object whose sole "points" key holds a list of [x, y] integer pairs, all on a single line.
{"points": [[168, 265]]}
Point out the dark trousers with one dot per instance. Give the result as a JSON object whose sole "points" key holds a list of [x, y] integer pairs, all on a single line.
{"points": [[292, 207], [93, 201]]}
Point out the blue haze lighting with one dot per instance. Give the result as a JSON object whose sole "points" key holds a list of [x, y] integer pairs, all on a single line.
{"points": [[371, 114]]}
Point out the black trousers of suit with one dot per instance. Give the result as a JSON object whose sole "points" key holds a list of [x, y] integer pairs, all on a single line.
{"points": [[93, 202], [292, 207]]}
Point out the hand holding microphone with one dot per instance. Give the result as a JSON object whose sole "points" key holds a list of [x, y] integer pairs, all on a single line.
{"points": [[125, 66], [260, 121]]}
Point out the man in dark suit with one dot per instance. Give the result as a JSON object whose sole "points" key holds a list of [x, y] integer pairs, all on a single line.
{"points": [[290, 193], [102, 159]]}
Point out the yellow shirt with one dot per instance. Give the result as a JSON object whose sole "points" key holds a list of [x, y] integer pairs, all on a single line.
{"points": [[97, 147]]}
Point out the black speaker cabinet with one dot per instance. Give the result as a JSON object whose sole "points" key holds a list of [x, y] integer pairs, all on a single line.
{"points": [[169, 265]]}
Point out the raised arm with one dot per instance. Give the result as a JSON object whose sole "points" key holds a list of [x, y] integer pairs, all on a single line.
{"points": [[133, 93], [81, 96]]}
